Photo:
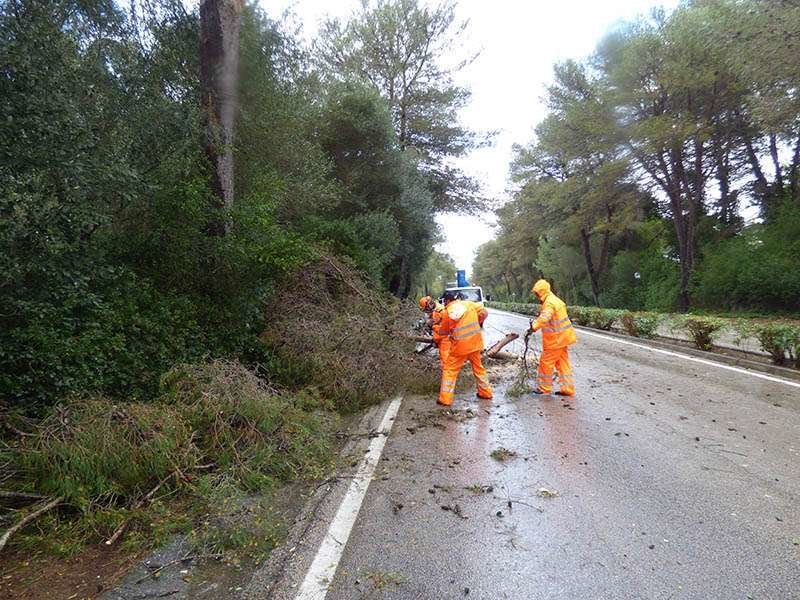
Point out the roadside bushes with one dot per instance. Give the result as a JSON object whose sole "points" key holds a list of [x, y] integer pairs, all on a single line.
{"points": [[580, 315], [602, 318], [640, 324], [700, 329], [781, 340], [518, 307]]}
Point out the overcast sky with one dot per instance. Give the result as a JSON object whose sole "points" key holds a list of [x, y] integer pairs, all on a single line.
{"points": [[519, 40]]}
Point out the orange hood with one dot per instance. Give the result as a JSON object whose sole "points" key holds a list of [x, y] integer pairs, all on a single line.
{"points": [[542, 289]]}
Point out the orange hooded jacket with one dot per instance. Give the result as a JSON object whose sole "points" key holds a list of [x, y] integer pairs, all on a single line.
{"points": [[553, 320], [461, 322]]}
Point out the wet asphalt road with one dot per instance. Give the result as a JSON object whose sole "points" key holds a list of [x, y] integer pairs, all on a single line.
{"points": [[671, 479]]}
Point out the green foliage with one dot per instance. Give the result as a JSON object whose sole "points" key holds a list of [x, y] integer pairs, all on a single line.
{"points": [[107, 273], [640, 324], [700, 329], [581, 315], [754, 270], [439, 270], [602, 318], [395, 48], [216, 433], [780, 340], [630, 195]]}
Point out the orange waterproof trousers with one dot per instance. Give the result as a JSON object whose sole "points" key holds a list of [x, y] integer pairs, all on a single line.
{"points": [[555, 359], [444, 350], [452, 367]]}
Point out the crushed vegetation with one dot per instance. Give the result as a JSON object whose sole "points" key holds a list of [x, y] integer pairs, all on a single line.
{"points": [[544, 492], [207, 456], [343, 337], [216, 437], [525, 374]]}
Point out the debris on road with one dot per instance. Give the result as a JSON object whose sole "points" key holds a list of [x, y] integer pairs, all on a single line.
{"points": [[455, 509], [502, 454], [544, 492], [480, 489]]}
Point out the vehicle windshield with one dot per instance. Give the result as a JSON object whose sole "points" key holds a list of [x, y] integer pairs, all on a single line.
{"points": [[473, 294]]}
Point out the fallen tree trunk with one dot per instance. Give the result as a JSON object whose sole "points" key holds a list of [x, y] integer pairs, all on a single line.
{"points": [[502, 356], [510, 337], [492, 352]]}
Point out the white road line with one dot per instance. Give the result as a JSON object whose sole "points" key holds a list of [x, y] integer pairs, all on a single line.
{"points": [[321, 572], [685, 356]]}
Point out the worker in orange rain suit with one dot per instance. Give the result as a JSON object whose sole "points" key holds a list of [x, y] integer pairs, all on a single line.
{"points": [[435, 312], [557, 336], [462, 322]]}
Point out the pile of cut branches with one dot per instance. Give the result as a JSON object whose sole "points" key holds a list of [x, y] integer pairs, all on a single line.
{"points": [[105, 466], [341, 335]]}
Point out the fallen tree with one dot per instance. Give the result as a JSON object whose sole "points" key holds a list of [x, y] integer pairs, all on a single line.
{"points": [[492, 352]]}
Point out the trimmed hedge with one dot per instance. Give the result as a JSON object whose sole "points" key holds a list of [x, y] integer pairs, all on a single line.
{"points": [[780, 339]]}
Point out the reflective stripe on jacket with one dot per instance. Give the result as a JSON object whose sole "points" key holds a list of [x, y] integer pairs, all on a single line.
{"points": [[436, 322], [557, 330], [461, 321]]}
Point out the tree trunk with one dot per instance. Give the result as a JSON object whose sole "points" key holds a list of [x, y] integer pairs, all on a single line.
{"points": [[776, 163], [220, 22], [587, 255], [794, 174], [604, 248], [508, 284], [727, 200]]}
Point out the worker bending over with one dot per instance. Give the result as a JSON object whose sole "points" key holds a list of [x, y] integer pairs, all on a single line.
{"points": [[435, 311], [557, 335], [461, 323]]}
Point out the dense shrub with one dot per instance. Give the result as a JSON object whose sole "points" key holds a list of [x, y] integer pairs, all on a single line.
{"points": [[700, 329], [756, 269], [640, 324], [580, 315], [602, 318], [780, 340]]}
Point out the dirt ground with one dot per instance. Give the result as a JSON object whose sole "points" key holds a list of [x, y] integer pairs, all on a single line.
{"points": [[86, 575]]}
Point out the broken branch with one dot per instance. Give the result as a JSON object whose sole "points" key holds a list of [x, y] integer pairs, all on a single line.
{"points": [[119, 530], [20, 495], [510, 337], [28, 518]]}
